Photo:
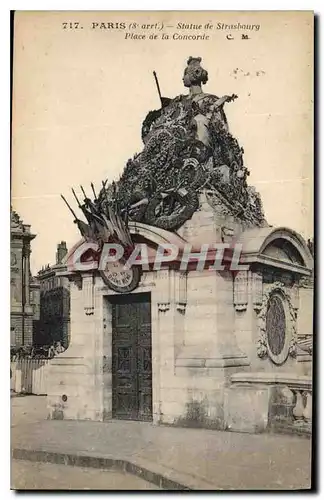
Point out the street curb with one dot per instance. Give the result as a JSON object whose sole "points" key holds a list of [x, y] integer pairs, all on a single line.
{"points": [[164, 478]]}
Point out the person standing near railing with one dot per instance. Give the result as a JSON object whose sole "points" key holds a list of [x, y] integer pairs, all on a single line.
{"points": [[59, 348], [51, 352]]}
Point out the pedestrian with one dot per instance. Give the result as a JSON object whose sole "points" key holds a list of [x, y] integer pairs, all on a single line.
{"points": [[59, 348], [51, 351]]}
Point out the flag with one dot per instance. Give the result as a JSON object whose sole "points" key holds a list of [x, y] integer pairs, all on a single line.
{"points": [[86, 231]]}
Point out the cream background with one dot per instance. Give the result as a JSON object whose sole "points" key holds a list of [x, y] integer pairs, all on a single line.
{"points": [[79, 99]]}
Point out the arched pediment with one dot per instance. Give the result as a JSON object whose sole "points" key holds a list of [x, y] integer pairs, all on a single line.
{"points": [[283, 250], [276, 245], [140, 233], [155, 235]]}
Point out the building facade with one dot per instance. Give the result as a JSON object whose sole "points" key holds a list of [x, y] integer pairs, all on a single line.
{"points": [[24, 291], [54, 324]]}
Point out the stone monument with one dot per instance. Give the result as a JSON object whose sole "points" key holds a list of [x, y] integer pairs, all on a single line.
{"points": [[165, 344]]}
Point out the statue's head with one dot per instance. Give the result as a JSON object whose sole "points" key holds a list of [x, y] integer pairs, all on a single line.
{"points": [[194, 74]]}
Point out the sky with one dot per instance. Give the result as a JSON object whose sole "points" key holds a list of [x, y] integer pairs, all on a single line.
{"points": [[80, 96]]}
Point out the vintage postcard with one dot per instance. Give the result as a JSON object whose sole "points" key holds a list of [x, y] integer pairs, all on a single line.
{"points": [[162, 250]]}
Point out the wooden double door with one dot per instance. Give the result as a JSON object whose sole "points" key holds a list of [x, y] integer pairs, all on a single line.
{"points": [[132, 357]]}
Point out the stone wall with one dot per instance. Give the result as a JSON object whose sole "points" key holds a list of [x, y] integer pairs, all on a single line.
{"points": [[207, 327], [199, 340], [260, 401], [73, 383], [198, 352], [180, 393]]}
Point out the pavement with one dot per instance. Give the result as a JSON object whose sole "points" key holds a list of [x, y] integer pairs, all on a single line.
{"points": [[172, 458], [26, 475]]}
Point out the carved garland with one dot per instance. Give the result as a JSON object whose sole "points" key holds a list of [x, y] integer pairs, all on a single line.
{"points": [[164, 290], [181, 290], [262, 341], [241, 291]]}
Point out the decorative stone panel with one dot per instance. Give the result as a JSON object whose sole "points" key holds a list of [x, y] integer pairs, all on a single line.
{"points": [[163, 300], [241, 290], [181, 291], [288, 314], [257, 290], [88, 294]]}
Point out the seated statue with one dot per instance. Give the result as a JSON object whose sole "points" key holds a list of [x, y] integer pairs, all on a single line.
{"points": [[187, 147]]}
